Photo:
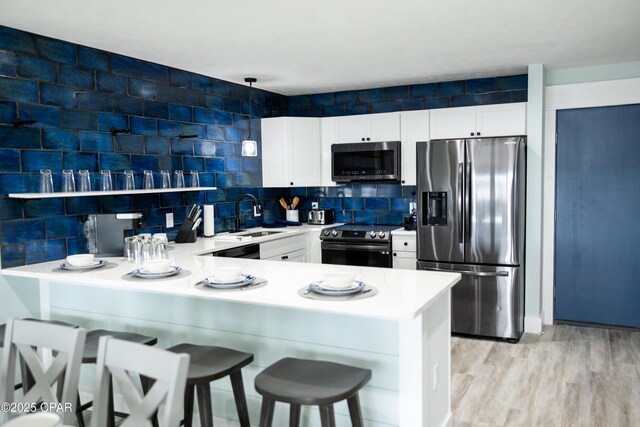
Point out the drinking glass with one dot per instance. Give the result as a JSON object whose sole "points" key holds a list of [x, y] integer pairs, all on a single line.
{"points": [[130, 248], [148, 180], [106, 180], [84, 180], [129, 180], [68, 181], [179, 178], [46, 181], [195, 179], [166, 179]]}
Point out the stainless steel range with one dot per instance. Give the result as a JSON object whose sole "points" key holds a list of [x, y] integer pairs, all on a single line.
{"points": [[364, 245]]}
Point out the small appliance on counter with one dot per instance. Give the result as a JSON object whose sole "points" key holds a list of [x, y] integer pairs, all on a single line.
{"points": [[321, 216], [105, 232]]}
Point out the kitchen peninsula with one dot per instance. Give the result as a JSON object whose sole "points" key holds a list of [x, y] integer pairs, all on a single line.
{"points": [[402, 333]]}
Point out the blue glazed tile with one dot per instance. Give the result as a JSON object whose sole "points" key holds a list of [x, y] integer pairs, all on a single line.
{"points": [[202, 115], [18, 90], [193, 163], [201, 82], [467, 100], [16, 183], [204, 148], [171, 199], [386, 107], [423, 90], [56, 50], [37, 69], [323, 100], [158, 110], [9, 161], [143, 89], [395, 93], [224, 149], [7, 70], [125, 65], [179, 78], [169, 94], [16, 40], [233, 165], [213, 101], [82, 205], [225, 180], [180, 112], [339, 191], [331, 202], [43, 115], [192, 129], [182, 147], [400, 204], [58, 95], [370, 95], [22, 230], [225, 210], [147, 201], [240, 121], [94, 141], [12, 137], [392, 217], [46, 250], [240, 91], [192, 97], [357, 109], [333, 111], [155, 217], [55, 139], [221, 87], [353, 203], [157, 146], [142, 163], [129, 144], [251, 164], [33, 161], [214, 132], [93, 58], [451, 88], [111, 83], [232, 105], [155, 72], [232, 134], [69, 226], [364, 217], [170, 129], [114, 162], [408, 191], [346, 97], [77, 77], [215, 196], [108, 121], [75, 119], [310, 111], [95, 101], [13, 255], [78, 161], [77, 245], [126, 105], [170, 163], [377, 204], [437, 102], [519, 96], [481, 85], [10, 209], [517, 82], [365, 190], [300, 101], [207, 179], [389, 190], [412, 104], [7, 112], [194, 198], [114, 204], [144, 126], [497, 98]]}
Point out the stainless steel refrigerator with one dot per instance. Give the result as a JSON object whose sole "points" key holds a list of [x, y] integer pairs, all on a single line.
{"points": [[471, 204]]}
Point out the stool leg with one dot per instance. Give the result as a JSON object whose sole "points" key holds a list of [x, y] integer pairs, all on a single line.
{"points": [[204, 403], [327, 417], [188, 405], [354, 411], [111, 416], [266, 414], [294, 415], [239, 397]]}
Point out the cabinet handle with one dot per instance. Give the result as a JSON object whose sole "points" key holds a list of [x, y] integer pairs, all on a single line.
{"points": [[406, 243], [395, 254], [403, 181], [285, 257], [472, 133], [478, 133], [291, 183], [368, 139], [363, 139]]}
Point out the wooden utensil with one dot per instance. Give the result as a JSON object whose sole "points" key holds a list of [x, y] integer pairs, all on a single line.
{"points": [[283, 203], [295, 202]]}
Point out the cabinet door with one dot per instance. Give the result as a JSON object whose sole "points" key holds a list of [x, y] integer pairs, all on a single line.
{"points": [[447, 123], [501, 119], [295, 256], [303, 147], [384, 127], [352, 129], [328, 130], [274, 143], [415, 127], [404, 260]]}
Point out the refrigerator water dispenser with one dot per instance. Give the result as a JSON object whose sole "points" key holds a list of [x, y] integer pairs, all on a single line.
{"points": [[436, 212]]}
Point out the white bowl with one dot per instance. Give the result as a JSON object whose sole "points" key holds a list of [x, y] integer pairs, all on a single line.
{"points": [[156, 266], [38, 419], [338, 280], [227, 274], [81, 260]]}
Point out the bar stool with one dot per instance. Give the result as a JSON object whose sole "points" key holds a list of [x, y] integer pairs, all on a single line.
{"points": [[208, 364], [310, 382], [90, 355]]}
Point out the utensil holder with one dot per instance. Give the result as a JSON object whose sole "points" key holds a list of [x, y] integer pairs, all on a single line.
{"points": [[186, 234], [293, 216]]}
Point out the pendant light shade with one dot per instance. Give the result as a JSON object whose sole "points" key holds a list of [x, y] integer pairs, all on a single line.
{"points": [[249, 146]]}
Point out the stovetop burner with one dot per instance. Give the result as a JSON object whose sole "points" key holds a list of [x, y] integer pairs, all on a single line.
{"points": [[357, 232]]}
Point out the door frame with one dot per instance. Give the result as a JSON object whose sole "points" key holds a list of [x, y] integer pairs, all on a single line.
{"points": [[580, 95]]}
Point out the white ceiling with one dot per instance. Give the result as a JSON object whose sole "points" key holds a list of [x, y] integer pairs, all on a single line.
{"points": [[300, 47]]}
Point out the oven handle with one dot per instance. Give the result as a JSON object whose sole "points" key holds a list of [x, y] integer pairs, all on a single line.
{"points": [[344, 247]]}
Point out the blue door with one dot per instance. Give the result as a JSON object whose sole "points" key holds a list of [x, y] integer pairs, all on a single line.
{"points": [[597, 247]]}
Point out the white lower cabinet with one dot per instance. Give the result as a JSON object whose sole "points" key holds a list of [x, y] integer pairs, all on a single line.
{"points": [[403, 244], [288, 249]]}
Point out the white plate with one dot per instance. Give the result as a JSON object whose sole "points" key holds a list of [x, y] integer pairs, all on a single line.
{"points": [[139, 273], [97, 263], [247, 280], [318, 288]]}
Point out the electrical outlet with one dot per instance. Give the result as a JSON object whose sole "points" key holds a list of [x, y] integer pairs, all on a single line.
{"points": [[169, 220], [436, 372], [314, 205], [412, 207], [257, 211]]}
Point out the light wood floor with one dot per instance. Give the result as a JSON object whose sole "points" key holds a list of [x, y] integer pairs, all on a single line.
{"points": [[569, 376]]}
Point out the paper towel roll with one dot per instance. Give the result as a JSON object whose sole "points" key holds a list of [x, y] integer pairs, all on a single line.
{"points": [[208, 221]]}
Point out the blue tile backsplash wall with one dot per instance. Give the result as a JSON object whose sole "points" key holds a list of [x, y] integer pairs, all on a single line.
{"points": [[77, 95]]}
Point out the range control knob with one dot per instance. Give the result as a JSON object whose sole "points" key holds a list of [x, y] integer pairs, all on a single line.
{"points": [[372, 234], [334, 233], [382, 234], [326, 232]]}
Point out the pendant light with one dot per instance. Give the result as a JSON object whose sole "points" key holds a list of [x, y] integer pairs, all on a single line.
{"points": [[249, 146]]}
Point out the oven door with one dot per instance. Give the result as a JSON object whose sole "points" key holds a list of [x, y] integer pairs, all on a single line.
{"points": [[366, 255]]}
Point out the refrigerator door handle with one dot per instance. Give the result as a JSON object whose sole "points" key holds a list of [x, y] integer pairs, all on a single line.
{"points": [[473, 273], [460, 200], [468, 203]]}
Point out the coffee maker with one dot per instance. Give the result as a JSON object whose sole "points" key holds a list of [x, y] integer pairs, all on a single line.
{"points": [[105, 233]]}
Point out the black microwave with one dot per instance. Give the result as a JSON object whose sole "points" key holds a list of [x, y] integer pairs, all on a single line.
{"points": [[366, 161]]}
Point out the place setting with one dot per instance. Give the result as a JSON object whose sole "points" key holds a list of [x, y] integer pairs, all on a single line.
{"points": [[338, 286], [82, 263], [151, 259], [230, 279]]}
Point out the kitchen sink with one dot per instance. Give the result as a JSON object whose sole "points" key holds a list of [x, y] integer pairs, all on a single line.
{"points": [[258, 233]]}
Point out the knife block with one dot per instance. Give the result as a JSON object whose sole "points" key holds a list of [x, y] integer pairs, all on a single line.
{"points": [[186, 234]]}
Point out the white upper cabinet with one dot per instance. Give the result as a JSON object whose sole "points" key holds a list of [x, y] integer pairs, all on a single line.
{"points": [[415, 127], [481, 121], [291, 152], [328, 127], [368, 128]]}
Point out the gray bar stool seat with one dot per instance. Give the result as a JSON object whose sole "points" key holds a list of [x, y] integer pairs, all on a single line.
{"points": [[208, 364], [310, 382]]}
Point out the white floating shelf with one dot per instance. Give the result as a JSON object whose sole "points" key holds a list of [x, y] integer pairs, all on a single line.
{"points": [[105, 193]]}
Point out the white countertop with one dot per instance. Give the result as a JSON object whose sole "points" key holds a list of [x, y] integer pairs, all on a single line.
{"points": [[403, 294]]}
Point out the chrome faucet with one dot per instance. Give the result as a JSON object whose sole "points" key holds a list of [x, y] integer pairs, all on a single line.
{"points": [[257, 209]]}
